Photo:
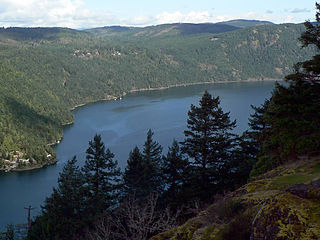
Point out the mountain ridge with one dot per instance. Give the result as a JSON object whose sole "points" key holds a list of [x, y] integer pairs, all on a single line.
{"points": [[51, 70]]}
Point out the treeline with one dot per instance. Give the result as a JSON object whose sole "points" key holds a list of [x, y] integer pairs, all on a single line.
{"points": [[155, 192], [44, 72]]}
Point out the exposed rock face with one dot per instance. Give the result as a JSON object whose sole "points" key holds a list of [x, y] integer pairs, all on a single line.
{"points": [[285, 217], [307, 191], [283, 204]]}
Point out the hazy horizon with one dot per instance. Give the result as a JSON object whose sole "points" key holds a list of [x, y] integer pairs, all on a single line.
{"points": [[81, 14]]}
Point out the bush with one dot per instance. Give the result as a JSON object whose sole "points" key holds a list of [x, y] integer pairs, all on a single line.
{"points": [[223, 210], [239, 228], [264, 164]]}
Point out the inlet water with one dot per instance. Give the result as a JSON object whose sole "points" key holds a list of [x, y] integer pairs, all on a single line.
{"points": [[123, 124]]}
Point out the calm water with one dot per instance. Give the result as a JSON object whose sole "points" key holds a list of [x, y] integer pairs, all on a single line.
{"points": [[123, 124]]}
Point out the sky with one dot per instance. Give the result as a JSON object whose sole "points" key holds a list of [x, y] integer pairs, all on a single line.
{"points": [[81, 14]]}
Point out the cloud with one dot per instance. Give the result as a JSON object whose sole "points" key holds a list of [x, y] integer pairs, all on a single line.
{"points": [[269, 12], [62, 13], [300, 10], [138, 21], [193, 16], [74, 14]]}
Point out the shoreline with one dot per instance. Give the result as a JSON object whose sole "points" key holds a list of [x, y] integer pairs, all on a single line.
{"points": [[112, 97], [35, 167], [200, 83]]}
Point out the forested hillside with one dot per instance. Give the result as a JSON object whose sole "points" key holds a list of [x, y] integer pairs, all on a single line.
{"points": [[44, 72]]}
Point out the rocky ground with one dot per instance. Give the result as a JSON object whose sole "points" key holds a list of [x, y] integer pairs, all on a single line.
{"points": [[282, 204]]}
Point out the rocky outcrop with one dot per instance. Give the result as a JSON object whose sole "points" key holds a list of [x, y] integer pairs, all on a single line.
{"points": [[283, 204]]}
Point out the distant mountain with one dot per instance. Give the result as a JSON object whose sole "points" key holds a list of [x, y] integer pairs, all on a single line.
{"points": [[190, 28], [18, 33], [176, 28], [163, 30], [242, 23], [110, 29], [44, 72]]}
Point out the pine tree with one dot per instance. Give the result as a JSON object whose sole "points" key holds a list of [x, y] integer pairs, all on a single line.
{"points": [[308, 71], [63, 215], [293, 113], [208, 142], [142, 175], [134, 178], [152, 150], [175, 173], [293, 116], [102, 177], [152, 154]]}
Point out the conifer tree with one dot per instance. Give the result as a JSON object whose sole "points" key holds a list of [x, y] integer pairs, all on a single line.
{"points": [[134, 178], [152, 154], [152, 150], [63, 214], [175, 173], [208, 142], [142, 175], [293, 114], [102, 176]]}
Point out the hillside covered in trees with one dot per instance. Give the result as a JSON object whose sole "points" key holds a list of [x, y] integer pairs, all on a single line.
{"points": [[271, 172], [45, 72]]}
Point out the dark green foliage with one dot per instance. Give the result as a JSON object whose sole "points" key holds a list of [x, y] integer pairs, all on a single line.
{"points": [[225, 208], [244, 157], [63, 214], [175, 174], [142, 175], [151, 149], [258, 125], [209, 144], [46, 71], [102, 177], [264, 164], [190, 28], [152, 153], [134, 177], [283, 127], [242, 23], [239, 228], [8, 234], [81, 197], [292, 116], [251, 144]]}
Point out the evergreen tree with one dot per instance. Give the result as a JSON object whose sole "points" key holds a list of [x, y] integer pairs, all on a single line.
{"points": [[209, 142], [102, 177], [308, 71], [63, 215], [174, 170], [152, 150], [293, 116], [152, 154], [134, 177], [142, 175], [258, 125], [251, 150], [293, 113]]}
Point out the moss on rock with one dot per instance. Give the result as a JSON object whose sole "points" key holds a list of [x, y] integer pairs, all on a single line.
{"points": [[283, 205]]}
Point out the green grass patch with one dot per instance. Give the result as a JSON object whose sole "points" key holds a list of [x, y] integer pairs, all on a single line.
{"points": [[298, 178], [316, 170]]}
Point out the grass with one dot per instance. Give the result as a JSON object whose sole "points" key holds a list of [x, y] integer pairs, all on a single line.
{"points": [[299, 177]]}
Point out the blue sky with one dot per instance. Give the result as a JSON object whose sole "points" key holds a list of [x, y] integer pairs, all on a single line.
{"points": [[95, 13]]}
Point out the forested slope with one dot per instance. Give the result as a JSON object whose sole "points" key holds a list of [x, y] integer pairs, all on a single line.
{"points": [[46, 71]]}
